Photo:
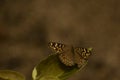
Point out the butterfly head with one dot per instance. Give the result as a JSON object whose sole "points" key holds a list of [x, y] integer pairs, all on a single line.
{"points": [[84, 52]]}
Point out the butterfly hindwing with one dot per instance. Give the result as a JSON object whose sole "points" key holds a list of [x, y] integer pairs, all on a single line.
{"points": [[67, 57]]}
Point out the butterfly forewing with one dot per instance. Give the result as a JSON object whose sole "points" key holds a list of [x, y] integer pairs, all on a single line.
{"points": [[56, 47], [81, 56], [83, 52], [79, 60]]}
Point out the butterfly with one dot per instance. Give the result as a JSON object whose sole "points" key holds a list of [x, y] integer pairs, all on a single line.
{"points": [[69, 55]]}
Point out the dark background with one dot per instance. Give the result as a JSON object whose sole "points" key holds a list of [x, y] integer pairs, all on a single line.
{"points": [[26, 26]]}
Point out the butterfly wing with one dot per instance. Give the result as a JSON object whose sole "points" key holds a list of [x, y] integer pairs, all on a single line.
{"points": [[79, 60], [56, 47], [64, 52], [67, 57]]}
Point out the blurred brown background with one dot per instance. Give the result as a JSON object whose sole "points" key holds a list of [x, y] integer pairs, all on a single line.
{"points": [[26, 26]]}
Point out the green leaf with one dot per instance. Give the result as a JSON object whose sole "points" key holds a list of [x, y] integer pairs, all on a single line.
{"points": [[52, 69], [10, 75]]}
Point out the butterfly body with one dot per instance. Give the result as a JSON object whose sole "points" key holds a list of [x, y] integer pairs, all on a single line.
{"points": [[69, 55]]}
